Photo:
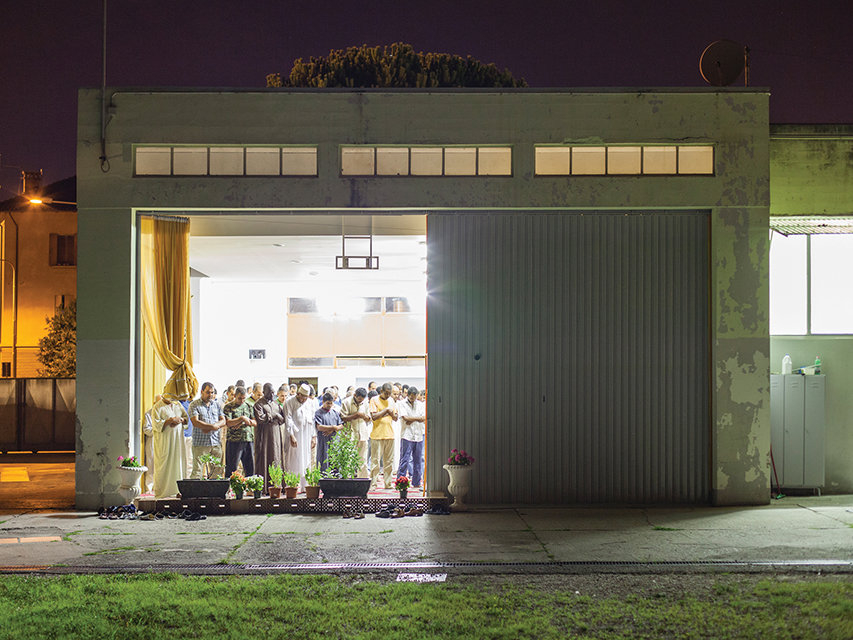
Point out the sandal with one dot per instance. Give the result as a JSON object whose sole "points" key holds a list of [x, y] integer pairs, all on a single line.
{"points": [[384, 513], [358, 515], [398, 513]]}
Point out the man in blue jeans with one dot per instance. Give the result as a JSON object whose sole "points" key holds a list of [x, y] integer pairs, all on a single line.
{"points": [[413, 419]]}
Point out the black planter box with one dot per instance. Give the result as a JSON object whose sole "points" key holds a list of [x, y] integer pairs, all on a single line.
{"points": [[203, 488], [345, 488]]}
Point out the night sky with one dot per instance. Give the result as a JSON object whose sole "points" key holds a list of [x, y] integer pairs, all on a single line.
{"points": [[50, 48]]}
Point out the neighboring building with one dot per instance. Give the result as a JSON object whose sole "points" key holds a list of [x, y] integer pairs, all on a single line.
{"points": [[597, 268], [38, 269], [811, 200]]}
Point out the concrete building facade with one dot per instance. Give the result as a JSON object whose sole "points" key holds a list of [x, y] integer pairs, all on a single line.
{"points": [[602, 202]]}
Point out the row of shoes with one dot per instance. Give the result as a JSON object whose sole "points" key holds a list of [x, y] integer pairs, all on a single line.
{"points": [[354, 513], [123, 512], [399, 512], [186, 514]]}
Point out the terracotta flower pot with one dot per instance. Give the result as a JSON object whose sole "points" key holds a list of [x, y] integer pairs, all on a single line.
{"points": [[275, 493], [290, 492], [312, 493]]}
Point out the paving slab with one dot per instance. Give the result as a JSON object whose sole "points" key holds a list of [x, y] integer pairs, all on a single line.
{"points": [[805, 528]]}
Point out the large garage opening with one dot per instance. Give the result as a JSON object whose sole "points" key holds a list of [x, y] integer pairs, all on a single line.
{"points": [[335, 301]]}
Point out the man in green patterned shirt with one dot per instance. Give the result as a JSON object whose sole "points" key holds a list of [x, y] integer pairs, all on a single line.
{"points": [[240, 422]]}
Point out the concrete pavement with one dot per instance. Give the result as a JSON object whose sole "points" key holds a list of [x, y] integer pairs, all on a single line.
{"points": [[791, 530]]}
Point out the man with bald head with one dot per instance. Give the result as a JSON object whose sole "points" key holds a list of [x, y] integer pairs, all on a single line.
{"points": [[269, 419]]}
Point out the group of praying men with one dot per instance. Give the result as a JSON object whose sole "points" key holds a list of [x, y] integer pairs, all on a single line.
{"points": [[290, 428]]}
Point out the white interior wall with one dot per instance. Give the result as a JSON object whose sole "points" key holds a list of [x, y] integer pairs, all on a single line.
{"points": [[234, 317]]}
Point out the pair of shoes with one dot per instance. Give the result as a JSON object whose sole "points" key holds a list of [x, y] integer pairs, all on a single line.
{"points": [[147, 516], [383, 513], [414, 511], [438, 509], [398, 513], [348, 512], [358, 515], [194, 516]]}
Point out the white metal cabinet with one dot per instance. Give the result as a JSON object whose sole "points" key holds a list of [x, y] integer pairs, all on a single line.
{"points": [[797, 425]]}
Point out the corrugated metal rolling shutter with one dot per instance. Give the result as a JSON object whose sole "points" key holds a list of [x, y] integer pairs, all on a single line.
{"points": [[569, 354]]}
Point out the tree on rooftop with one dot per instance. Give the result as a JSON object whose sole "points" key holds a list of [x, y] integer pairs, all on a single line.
{"points": [[393, 66], [58, 349]]}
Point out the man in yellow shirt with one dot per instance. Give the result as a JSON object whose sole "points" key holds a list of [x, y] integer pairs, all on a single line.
{"points": [[383, 412]]}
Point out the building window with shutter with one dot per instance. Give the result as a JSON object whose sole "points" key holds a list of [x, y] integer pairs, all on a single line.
{"points": [[63, 250]]}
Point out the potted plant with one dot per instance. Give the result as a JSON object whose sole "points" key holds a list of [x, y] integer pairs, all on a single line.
{"points": [[401, 484], [238, 484], [131, 471], [291, 484], [344, 462], [207, 486], [275, 472], [312, 482], [255, 484], [458, 467]]}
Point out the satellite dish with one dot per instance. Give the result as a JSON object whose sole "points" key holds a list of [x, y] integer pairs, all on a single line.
{"points": [[723, 61]]}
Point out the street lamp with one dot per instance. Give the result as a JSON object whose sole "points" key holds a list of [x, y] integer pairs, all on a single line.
{"points": [[49, 201]]}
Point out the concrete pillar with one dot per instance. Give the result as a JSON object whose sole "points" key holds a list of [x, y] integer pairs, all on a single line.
{"points": [[106, 330], [740, 351]]}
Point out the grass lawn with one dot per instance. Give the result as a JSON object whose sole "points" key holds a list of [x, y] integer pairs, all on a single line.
{"points": [[173, 606]]}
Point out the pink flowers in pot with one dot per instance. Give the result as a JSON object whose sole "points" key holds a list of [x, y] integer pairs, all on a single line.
{"points": [[460, 458]]}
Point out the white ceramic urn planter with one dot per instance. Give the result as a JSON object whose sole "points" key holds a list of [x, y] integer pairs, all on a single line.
{"points": [[130, 485], [460, 483]]}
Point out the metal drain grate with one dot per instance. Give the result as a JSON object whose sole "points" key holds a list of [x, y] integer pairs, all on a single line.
{"points": [[589, 566]]}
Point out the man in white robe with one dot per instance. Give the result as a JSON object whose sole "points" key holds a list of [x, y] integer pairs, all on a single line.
{"points": [[168, 419], [299, 433]]}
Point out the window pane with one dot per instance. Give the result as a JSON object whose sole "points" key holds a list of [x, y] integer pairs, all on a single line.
{"points": [[587, 161], [659, 160], [787, 285], [623, 160], [426, 161], [460, 161], [189, 161], [357, 161], [299, 161], [154, 161], [262, 161], [553, 161], [226, 161], [697, 160], [392, 161], [495, 161], [832, 287]]}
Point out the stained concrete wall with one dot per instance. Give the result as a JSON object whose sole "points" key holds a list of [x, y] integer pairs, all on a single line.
{"points": [[737, 196], [811, 172]]}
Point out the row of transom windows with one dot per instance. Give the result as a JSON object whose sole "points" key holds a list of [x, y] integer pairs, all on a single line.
{"points": [[455, 160]]}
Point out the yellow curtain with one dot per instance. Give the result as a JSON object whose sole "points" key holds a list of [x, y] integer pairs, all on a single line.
{"points": [[165, 268], [152, 377]]}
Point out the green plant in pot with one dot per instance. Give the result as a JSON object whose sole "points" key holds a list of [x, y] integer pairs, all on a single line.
{"points": [[238, 484], [255, 484], [312, 482], [209, 462], [208, 486], [275, 472], [291, 484], [343, 464]]}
